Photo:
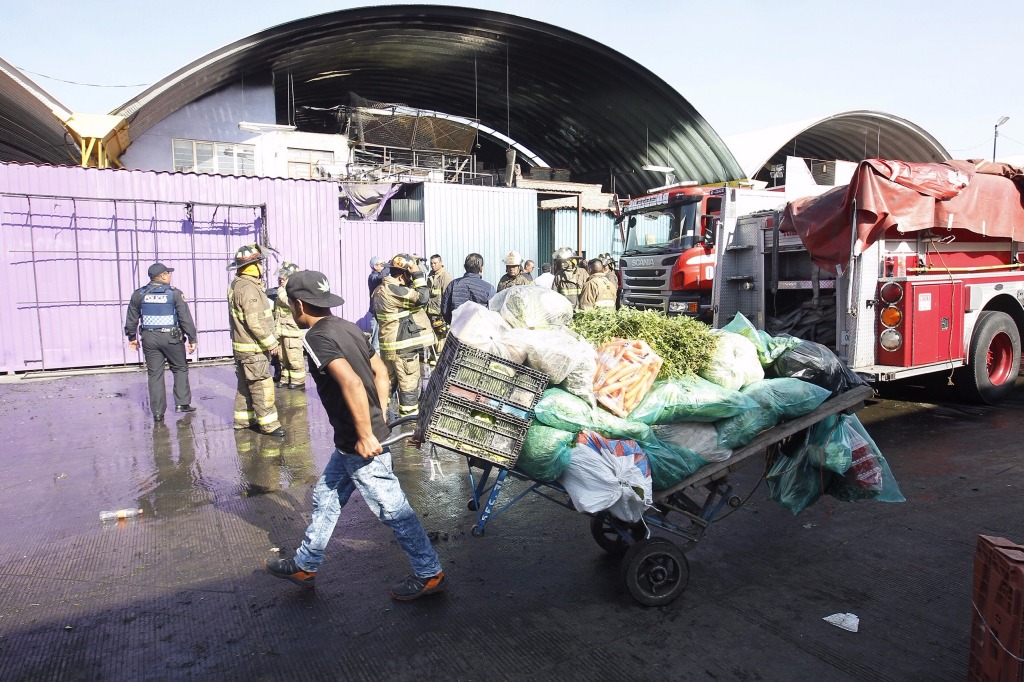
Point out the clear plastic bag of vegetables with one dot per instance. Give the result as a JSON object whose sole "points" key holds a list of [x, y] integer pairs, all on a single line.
{"points": [[698, 437], [793, 479], [690, 399], [532, 307], [567, 359], [869, 476], [626, 370]]}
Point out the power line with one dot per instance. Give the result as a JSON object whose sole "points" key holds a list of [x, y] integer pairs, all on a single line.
{"points": [[88, 85]]}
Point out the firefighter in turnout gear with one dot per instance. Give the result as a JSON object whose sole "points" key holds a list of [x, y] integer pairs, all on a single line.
{"points": [[252, 342], [167, 333], [569, 278], [608, 261], [513, 272], [598, 292], [400, 304], [438, 281], [293, 369]]}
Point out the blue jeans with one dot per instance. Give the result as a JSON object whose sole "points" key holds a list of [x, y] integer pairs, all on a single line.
{"points": [[374, 333], [383, 494]]}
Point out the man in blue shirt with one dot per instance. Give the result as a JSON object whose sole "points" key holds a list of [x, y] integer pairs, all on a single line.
{"points": [[470, 287]]}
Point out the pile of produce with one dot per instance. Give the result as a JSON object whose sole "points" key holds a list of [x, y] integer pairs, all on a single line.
{"points": [[642, 401], [684, 344]]}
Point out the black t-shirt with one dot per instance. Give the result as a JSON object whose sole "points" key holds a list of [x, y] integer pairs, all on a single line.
{"points": [[329, 339]]}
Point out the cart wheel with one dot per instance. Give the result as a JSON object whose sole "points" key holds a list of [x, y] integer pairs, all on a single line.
{"points": [[655, 571], [476, 531], [609, 539], [471, 505]]}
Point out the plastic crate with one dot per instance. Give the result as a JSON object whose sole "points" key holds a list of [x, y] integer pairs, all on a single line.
{"points": [[490, 376], [475, 430], [997, 628]]}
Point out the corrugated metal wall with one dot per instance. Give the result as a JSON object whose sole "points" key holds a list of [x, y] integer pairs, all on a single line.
{"points": [[361, 241], [491, 221], [75, 243], [559, 228]]}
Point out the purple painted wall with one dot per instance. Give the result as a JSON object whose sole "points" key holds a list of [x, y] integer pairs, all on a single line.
{"points": [[75, 242]]}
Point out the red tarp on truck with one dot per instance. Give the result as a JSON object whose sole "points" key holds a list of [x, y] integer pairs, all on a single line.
{"points": [[977, 196]]}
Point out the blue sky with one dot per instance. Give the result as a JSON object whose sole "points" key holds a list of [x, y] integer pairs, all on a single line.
{"points": [[947, 66]]}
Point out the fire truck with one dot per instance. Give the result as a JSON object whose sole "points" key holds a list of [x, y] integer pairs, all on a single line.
{"points": [[668, 261], [911, 269]]}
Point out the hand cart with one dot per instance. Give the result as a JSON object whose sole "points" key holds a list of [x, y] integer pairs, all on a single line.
{"points": [[654, 569]]}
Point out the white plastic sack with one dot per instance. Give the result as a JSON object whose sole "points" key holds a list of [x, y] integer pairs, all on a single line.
{"points": [[532, 307], [596, 482], [734, 363], [476, 326], [699, 437], [568, 360]]}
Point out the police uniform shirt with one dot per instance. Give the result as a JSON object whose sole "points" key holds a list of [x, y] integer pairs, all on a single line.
{"points": [[333, 338]]}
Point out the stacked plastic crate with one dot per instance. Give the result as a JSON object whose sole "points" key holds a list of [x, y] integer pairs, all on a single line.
{"points": [[478, 404], [997, 630]]}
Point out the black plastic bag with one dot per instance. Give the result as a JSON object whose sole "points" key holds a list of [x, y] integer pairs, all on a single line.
{"points": [[815, 364]]}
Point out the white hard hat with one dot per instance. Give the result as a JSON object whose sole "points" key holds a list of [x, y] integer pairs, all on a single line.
{"points": [[513, 258], [563, 253]]}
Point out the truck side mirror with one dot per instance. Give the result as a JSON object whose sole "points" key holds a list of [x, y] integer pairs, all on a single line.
{"points": [[711, 225], [632, 221]]}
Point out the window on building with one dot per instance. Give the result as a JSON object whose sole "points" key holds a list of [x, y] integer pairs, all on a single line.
{"points": [[195, 156], [302, 163]]}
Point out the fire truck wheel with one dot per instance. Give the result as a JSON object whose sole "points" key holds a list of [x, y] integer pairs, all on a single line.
{"points": [[993, 362]]}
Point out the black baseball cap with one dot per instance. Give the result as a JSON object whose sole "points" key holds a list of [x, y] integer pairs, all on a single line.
{"points": [[312, 287], [157, 269]]}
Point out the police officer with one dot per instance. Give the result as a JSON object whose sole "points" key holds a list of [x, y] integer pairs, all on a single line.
{"points": [[513, 272], [598, 292], [167, 332], [400, 303], [569, 277], [293, 371], [252, 342], [438, 280]]}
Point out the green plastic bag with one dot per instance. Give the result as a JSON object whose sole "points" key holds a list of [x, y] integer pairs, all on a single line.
{"points": [[851, 486], [828, 444], [545, 454], [778, 399], [690, 399], [563, 410], [769, 348], [669, 463], [794, 482]]}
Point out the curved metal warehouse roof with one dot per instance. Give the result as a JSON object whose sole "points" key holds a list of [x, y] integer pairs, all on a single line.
{"points": [[30, 131], [846, 136], [573, 101]]}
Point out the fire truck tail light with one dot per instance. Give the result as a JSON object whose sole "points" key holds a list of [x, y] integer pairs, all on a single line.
{"points": [[891, 316], [890, 339], [891, 293]]}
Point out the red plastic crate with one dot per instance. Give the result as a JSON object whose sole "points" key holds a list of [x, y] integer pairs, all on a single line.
{"points": [[997, 628]]}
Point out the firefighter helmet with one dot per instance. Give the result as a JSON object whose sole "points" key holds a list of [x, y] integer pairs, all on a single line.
{"points": [[287, 269], [563, 253], [607, 259], [401, 262], [513, 258], [247, 255]]}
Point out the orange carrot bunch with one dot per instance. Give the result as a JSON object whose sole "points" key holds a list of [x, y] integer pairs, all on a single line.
{"points": [[626, 370]]}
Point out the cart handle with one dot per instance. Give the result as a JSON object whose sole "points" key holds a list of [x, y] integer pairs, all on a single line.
{"points": [[401, 436]]}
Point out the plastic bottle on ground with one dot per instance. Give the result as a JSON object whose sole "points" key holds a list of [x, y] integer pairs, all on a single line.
{"points": [[119, 514]]}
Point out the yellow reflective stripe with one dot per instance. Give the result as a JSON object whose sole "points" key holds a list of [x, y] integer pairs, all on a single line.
{"points": [[390, 317], [267, 419], [406, 410], [246, 416], [604, 304], [268, 342], [246, 347], [416, 341]]}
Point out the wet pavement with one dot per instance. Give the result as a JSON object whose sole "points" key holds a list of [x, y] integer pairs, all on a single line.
{"points": [[180, 592]]}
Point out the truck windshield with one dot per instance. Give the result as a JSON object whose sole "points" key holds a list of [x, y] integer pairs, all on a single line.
{"points": [[675, 228]]}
